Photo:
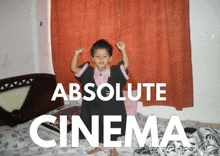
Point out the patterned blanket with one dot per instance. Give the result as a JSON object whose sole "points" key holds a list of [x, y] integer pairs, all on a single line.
{"points": [[204, 141]]}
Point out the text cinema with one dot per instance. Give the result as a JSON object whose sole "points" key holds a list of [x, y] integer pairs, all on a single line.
{"points": [[93, 138]]}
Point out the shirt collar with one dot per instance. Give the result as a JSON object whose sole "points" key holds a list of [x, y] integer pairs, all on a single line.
{"points": [[105, 72]]}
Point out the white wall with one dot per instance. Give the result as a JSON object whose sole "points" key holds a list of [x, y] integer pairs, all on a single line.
{"points": [[18, 38], [44, 36], [24, 48], [204, 23]]}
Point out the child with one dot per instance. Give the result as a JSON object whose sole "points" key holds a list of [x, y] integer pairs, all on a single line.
{"points": [[101, 52]]}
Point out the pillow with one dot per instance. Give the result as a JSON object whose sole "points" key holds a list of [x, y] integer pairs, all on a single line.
{"points": [[54, 128], [130, 106], [213, 125]]}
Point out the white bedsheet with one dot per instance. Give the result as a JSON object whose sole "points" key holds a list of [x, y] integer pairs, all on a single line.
{"points": [[16, 141]]}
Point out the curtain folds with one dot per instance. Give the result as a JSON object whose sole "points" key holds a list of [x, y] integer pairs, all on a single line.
{"points": [[156, 34], [76, 24]]}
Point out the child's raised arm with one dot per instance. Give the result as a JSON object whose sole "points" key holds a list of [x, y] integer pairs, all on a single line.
{"points": [[121, 47], [74, 62]]}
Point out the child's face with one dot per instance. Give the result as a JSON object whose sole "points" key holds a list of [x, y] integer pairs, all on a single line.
{"points": [[101, 58]]}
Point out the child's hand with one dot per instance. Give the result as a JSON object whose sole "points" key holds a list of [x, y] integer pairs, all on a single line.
{"points": [[78, 51], [120, 45]]}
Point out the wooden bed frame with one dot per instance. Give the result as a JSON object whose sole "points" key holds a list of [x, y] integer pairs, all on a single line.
{"points": [[37, 102]]}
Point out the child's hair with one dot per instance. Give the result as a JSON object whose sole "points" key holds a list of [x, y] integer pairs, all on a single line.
{"points": [[101, 44]]}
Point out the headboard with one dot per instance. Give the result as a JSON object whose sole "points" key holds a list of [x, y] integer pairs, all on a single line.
{"points": [[37, 101]]}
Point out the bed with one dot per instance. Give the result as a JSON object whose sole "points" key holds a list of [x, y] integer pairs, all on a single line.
{"points": [[15, 126]]}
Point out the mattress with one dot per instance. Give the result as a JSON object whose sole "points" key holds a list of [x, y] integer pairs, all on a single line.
{"points": [[17, 141]]}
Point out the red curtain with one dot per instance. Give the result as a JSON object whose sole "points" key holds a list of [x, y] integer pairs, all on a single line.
{"points": [[76, 24], [156, 34]]}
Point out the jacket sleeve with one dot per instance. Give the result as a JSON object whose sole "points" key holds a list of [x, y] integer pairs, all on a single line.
{"points": [[83, 73], [121, 74]]}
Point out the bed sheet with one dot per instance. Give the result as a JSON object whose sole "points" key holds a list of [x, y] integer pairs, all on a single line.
{"points": [[16, 141]]}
